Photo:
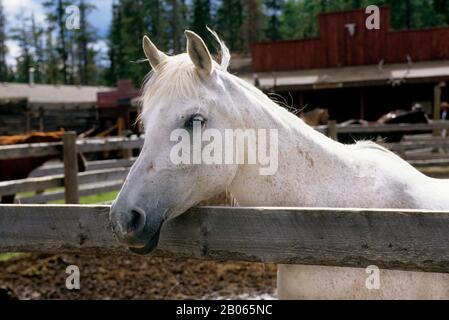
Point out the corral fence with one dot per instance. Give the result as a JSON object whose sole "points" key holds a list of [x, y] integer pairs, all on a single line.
{"points": [[423, 145], [424, 151], [389, 239], [100, 177]]}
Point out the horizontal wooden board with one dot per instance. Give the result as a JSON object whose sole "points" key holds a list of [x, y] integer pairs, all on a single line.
{"points": [[90, 166], [17, 151], [392, 239], [55, 148], [83, 192], [42, 183]]}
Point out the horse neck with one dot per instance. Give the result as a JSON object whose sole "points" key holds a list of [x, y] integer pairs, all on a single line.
{"points": [[308, 160]]}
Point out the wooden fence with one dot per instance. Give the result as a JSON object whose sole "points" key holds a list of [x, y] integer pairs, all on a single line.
{"points": [[101, 176], [391, 239], [422, 151]]}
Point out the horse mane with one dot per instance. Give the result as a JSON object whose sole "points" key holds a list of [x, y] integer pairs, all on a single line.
{"points": [[364, 144], [370, 145], [177, 76]]}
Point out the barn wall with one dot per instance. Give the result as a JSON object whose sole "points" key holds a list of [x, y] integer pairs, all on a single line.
{"points": [[18, 118], [13, 117], [335, 47], [345, 103], [76, 119]]}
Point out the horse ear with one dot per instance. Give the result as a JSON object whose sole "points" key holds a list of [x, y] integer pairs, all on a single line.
{"points": [[198, 52], [154, 56]]}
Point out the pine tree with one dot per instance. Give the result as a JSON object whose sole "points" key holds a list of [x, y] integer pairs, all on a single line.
{"points": [[252, 23], [24, 61], [176, 12], [441, 9], [125, 40], [36, 36], [229, 23], [84, 37], [115, 52], [56, 17], [273, 9], [201, 19], [4, 74], [51, 72], [291, 22]]}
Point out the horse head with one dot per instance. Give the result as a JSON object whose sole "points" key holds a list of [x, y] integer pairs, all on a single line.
{"points": [[183, 93]]}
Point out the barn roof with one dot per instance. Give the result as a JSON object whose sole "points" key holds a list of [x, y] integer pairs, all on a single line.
{"points": [[51, 95], [355, 76]]}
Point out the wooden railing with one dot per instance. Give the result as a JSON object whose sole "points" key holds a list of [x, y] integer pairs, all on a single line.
{"points": [[424, 152], [107, 175], [390, 239]]}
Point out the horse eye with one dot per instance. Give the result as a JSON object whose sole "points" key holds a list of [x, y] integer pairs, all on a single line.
{"points": [[196, 117]]}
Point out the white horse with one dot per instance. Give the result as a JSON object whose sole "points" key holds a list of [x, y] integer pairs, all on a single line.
{"points": [[314, 171]]}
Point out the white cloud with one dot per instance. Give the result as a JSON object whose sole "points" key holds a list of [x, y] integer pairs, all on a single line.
{"points": [[100, 46], [13, 52], [26, 7], [100, 19], [13, 8]]}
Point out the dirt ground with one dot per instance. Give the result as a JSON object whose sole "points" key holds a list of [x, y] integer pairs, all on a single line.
{"points": [[127, 277]]}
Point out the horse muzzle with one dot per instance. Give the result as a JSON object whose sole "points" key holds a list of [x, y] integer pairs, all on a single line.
{"points": [[136, 230]]}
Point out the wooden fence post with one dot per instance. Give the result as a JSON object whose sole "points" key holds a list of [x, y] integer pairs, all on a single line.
{"points": [[332, 130], [70, 168]]}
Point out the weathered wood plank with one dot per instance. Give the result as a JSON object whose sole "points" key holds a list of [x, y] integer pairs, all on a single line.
{"points": [[70, 168], [393, 239], [332, 130], [31, 184], [83, 191], [405, 127], [42, 183], [114, 143], [55, 148], [404, 146], [430, 163], [17, 151], [425, 156], [393, 127], [58, 168]]}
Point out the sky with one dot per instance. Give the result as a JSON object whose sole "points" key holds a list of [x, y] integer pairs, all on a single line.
{"points": [[100, 19]]}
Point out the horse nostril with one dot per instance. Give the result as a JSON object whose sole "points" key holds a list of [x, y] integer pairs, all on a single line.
{"points": [[136, 223]]}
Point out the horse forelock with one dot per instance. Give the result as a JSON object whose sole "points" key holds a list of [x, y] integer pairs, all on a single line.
{"points": [[176, 77]]}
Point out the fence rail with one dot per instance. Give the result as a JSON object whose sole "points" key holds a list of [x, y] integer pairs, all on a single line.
{"points": [[58, 168], [418, 150], [391, 239], [426, 150], [108, 174], [381, 128], [55, 148]]}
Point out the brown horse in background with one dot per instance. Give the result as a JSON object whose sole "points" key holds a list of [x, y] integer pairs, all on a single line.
{"points": [[13, 169], [316, 117]]}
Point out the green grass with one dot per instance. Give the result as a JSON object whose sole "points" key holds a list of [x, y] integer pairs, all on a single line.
{"points": [[32, 193], [96, 198], [9, 256]]}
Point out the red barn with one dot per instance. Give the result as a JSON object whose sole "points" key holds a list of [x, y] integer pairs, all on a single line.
{"points": [[115, 108], [356, 72]]}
